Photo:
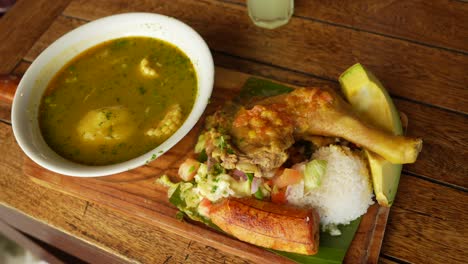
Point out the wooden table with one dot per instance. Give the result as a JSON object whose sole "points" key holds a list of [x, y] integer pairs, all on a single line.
{"points": [[419, 49]]}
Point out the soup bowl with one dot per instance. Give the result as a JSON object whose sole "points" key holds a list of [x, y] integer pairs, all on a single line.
{"points": [[25, 110]]}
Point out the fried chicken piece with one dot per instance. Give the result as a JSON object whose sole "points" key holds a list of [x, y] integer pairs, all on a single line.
{"points": [[312, 111], [268, 225], [263, 134]]}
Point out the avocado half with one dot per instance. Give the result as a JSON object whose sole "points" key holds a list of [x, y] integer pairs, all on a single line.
{"points": [[372, 102]]}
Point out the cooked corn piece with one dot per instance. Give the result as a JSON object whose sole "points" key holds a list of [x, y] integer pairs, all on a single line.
{"points": [[169, 124], [146, 70], [268, 225]]}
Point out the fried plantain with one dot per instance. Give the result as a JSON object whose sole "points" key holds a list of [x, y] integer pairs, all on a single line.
{"points": [[268, 225]]}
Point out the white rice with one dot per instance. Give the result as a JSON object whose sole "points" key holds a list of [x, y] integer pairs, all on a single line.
{"points": [[345, 192]]}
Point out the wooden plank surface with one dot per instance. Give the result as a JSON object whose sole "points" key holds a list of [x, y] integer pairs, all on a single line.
{"points": [[5, 112], [315, 48], [427, 223], [21, 31], [441, 23], [447, 128]]}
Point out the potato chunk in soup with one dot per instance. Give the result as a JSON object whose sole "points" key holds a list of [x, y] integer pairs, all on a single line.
{"points": [[106, 125]]}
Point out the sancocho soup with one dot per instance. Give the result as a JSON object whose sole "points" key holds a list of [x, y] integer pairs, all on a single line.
{"points": [[117, 100]]}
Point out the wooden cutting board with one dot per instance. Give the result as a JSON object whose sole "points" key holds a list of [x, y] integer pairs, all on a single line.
{"points": [[134, 192]]}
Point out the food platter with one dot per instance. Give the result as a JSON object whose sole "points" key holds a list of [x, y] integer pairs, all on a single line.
{"points": [[135, 193]]}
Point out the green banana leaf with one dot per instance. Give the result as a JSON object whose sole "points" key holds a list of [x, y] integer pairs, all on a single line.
{"points": [[332, 249], [257, 88]]}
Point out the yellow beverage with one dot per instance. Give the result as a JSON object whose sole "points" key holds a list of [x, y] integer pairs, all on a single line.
{"points": [[270, 13]]}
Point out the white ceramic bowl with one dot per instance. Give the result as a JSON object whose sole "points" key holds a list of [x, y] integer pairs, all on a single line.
{"points": [[50, 61]]}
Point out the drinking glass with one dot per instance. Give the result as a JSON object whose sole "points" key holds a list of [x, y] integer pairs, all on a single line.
{"points": [[270, 13]]}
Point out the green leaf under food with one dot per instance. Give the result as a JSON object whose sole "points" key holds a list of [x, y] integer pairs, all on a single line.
{"points": [[258, 88], [332, 249]]}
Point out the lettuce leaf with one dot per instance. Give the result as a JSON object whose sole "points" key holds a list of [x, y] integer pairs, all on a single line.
{"points": [[313, 173]]}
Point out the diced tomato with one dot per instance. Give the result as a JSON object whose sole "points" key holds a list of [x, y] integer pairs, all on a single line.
{"points": [[278, 195], [288, 177], [269, 182], [188, 169], [204, 207]]}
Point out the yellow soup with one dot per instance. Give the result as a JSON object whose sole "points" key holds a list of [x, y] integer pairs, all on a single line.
{"points": [[117, 100]]}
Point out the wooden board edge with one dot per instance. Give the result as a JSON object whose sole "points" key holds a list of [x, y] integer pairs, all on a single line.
{"points": [[27, 243], [47, 233], [367, 242], [379, 232]]}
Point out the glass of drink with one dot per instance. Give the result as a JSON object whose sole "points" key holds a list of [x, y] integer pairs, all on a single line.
{"points": [[270, 13]]}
